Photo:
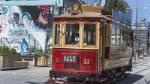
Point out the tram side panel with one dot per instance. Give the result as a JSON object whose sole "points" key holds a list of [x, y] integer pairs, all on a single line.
{"points": [[117, 47]]}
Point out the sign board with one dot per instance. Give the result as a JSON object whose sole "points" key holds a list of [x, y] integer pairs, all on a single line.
{"points": [[32, 3]]}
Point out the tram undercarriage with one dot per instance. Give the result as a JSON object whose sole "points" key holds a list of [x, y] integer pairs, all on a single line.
{"points": [[105, 77]]}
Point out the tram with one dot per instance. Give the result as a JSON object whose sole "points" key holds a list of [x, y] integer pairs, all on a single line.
{"points": [[89, 45]]}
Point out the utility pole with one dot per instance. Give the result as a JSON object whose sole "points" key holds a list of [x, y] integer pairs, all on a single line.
{"points": [[48, 31], [135, 31], [148, 41], [137, 7], [148, 37]]}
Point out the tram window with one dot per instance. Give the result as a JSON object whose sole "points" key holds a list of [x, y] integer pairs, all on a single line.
{"points": [[116, 36], [57, 33], [72, 34], [89, 34], [113, 35]]}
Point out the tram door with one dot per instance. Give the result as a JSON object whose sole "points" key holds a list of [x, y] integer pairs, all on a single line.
{"points": [[102, 42], [101, 57], [105, 42]]}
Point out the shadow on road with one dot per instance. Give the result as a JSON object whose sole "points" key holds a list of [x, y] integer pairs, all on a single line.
{"points": [[129, 80], [29, 82]]}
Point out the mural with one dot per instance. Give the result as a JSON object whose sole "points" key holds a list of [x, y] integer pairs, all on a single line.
{"points": [[24, 27]]}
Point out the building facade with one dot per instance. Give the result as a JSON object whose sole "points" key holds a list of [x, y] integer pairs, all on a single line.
{"points": [[142, 35]]}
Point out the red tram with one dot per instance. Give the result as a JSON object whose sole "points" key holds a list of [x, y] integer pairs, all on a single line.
{"points": [[90, 46]]}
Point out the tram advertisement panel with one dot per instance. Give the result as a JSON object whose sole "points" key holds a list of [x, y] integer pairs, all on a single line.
{"points": [[24, 27]]}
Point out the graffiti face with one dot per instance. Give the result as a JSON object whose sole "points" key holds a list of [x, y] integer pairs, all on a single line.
{"points": [[26, 19], [42, 20], [39, 16], [16, 18]]}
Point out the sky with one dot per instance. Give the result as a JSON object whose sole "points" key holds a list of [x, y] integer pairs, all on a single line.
{"points": [[143, 9]]}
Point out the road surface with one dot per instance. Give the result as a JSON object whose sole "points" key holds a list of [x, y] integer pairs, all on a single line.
{"points": [[39, 75], [139, 75]]}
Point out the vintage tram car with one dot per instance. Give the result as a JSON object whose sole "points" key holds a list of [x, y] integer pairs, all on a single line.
{"points": [[90, 45]]}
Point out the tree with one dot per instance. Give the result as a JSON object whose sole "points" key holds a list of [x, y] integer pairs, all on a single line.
{"points": [[116, 5], [39, 53], [6, 51]]}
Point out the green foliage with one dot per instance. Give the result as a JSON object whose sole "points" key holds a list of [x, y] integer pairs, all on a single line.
{"points": [[13, 52], [6, 51], [116, 5], [39, 53]]}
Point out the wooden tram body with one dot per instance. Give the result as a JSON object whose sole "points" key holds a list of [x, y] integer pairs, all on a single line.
{"points": [[85, 45]]}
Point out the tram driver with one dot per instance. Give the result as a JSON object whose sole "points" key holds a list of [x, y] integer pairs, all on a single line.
{"points": [[75, 38]]}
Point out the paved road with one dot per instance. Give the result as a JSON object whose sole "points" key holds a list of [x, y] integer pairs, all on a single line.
{"points": [[33, 75], [139, 75], [39, 75]]}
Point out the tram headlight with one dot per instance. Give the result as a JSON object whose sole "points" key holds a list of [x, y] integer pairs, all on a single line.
{"points": [[86, 61], [57, 60]]}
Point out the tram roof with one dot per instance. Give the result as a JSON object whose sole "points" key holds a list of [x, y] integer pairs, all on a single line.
{"points": [[93, 16], [81, 15], [87, 13]]}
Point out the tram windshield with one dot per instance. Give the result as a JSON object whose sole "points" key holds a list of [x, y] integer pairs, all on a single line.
{"points": [[72, 34], [81, 35]]}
